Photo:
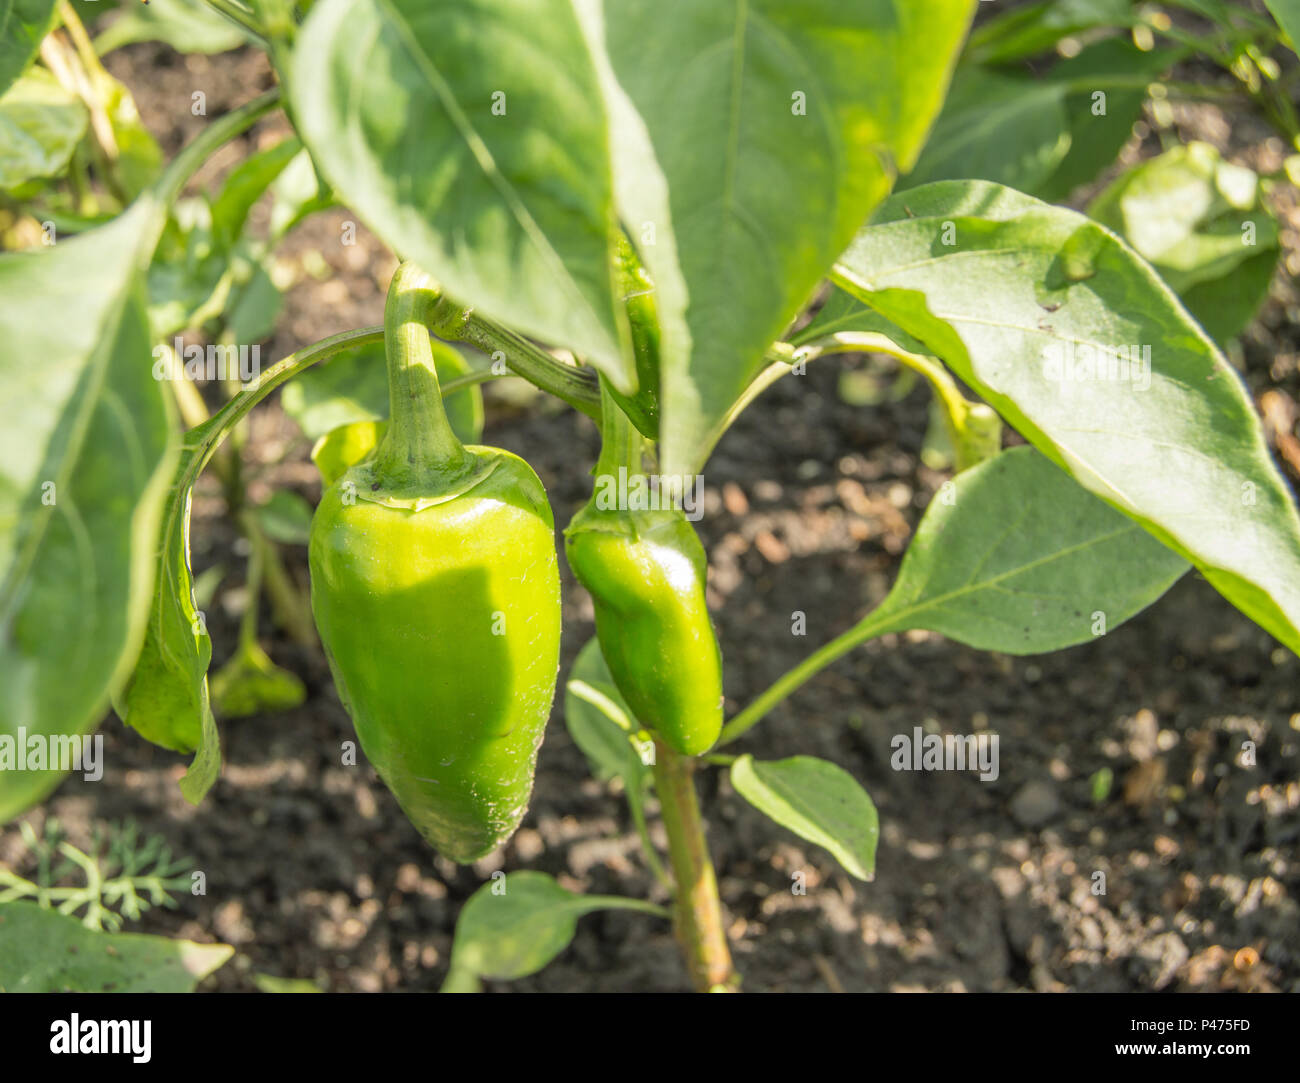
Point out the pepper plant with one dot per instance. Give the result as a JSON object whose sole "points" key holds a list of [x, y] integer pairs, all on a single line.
{"points": [[652, 211]]}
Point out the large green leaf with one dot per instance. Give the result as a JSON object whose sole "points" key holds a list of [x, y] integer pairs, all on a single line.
{"points": [[752, 138], [816, 800], [471, 136], [86, 448], [23, 23], [42, 951], [1014, 556], [513, 926], [41, 124], [1200, 222], [1019, 301]]}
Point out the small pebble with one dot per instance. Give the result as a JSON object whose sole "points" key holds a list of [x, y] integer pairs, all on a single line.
{"points": [[1035, 804]]}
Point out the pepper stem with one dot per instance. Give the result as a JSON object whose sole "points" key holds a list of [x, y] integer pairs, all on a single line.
{"points": [[620, 443], [419, 436], [697, 910]]}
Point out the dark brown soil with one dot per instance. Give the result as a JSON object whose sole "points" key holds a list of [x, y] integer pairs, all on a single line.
{"points": [[313, 872]]}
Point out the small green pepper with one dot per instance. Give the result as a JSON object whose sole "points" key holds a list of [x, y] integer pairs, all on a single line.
{"points": [[646, 572], [436, 591]]}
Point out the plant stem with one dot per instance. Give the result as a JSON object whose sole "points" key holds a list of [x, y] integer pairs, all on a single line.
{"points": [[62, 59], [266, 571], [80, 39], [576, 386], [621, 444], [973, 427], [419, 433], [253, 586], [289, 604], [875, 624], [697, 910], [944, 385], [780, 359], [637, 807], [204, 440]]}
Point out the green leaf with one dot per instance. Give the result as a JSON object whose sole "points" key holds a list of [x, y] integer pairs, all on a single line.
{"points": [[1225, 306], [816, 800], [1287, 14], [205, 768], [470, 135], [1025, 289], [86, 448], [24, 23], [245, 185], [1200, 222], [251, 316], [514, 925], [1035, 28], [188, 26], [995, 127], [601, 723], [40, 126], [354, 387], [42, 951], [1014, 556], [750, 140]]}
